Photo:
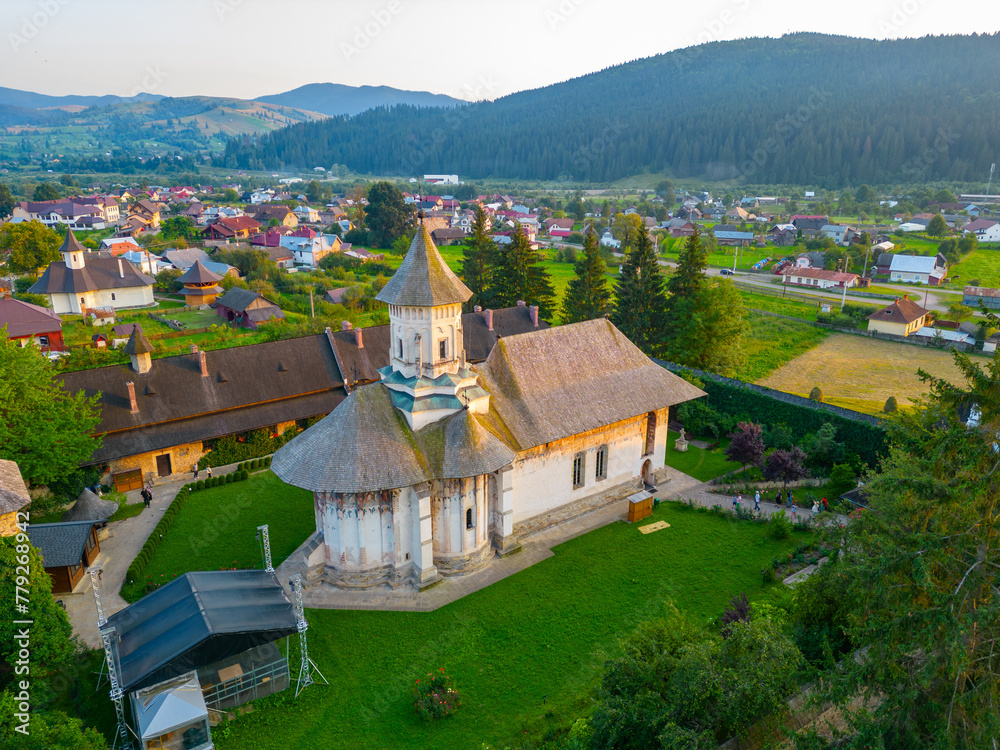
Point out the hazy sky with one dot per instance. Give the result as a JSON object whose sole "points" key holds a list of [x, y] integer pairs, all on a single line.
{"points": [[465, 48]]}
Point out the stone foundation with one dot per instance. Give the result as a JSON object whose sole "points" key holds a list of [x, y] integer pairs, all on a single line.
{"points": [[462, 564]]}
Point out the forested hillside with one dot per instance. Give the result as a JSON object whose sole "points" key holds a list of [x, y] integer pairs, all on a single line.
{"points": [[802, 109]]}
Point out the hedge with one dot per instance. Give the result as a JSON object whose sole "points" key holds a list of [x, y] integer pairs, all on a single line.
{"points": [[861, 433], [138, 566], [231, 450]]}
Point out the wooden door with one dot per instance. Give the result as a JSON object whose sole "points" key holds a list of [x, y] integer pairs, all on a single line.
{"points": [[128, 480], [163, 465]]}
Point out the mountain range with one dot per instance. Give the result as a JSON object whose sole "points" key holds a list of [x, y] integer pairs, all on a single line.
{"points": [[807, 109]]}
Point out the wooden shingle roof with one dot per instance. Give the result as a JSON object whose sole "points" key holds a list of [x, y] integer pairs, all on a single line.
{"points": [[424, 279], [13, 492]]}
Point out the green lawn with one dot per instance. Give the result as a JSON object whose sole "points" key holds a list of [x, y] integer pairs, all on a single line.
{"points": [[772, 342], [524, 652], [697, 462], [981, 267], [775, 303], [217, 528]]}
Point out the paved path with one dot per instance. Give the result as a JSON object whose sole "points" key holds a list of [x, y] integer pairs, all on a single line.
{"points": [[117, 553]]}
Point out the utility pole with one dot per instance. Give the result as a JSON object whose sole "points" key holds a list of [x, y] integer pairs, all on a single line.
{"points": [[312, 307]]}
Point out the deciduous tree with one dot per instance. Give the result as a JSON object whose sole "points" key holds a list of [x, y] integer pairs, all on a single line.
{"points": [[46, 430], [785, 466], [388, 214], [746, 446], [479, 248], [31, 246], [6, 201]]}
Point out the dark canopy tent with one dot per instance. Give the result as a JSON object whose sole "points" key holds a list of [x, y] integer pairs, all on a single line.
{"points": [[198, 619]]}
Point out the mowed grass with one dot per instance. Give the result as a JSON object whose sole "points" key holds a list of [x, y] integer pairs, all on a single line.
{"points": [[216, 528], [524, 652], [699, 463], [982, 265], [864, 371], [775, 303], [772, 342]]}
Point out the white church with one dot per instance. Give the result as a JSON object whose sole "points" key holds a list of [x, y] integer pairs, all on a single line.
{"points": [[441, 467]]}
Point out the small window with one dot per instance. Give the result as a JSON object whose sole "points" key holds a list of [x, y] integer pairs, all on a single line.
{"points": [[602, 463], [112, 296], [469, 519], [442, 349], [579, 465], [401, 348], [43, 340]]}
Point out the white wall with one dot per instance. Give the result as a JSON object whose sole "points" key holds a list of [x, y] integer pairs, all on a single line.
{"points": [[138, 296], [543, 476]]}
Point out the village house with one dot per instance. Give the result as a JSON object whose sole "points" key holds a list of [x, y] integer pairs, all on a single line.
{"points": [[901, 318], [234, 228], [280, 214], [147, 212], [985, 230], [974, 296], [30, 324], [310, 250], [67, 550], [819, 278], [841, 234], [106, 204], [246, 308], [83, 280], [14, 497], [306, 215], [64, 212], [555, 423], [918, 269]]}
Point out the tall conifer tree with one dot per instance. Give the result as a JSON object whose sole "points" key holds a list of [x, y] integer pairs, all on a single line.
{"points": [[476, 255], [589, 294], [516, 274], [640, 298]]}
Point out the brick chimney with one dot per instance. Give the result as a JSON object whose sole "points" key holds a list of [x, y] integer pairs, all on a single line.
{"points": [[533, 312], [131, 397], [520, 303], [345, 325], [203, 361], [121, 271], [488, 317], [194, 348], [357, 338]]}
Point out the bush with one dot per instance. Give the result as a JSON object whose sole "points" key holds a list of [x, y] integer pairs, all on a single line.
{"points": [[244, 475], [200, 484], [816, 394], [267, 462], [891, 405], [779, 527], [435, 696]]}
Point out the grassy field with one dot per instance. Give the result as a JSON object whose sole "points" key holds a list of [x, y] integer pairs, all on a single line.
{"points": [[773, 342], [981, 266], [217, 528], [806, 309], [697, 462], [861, 373], [524, 652]]}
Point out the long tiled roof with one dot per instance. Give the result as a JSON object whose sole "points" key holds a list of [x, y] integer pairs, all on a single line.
{"points": [[24, 319], [99, 272], [900, 311], [563, 381], [424, 279]]}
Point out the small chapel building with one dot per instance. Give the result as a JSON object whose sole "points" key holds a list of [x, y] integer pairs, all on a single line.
{"points": [[441, 466]]}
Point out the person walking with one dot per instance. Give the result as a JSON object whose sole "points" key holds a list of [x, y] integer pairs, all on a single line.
{"points": [[795, 510], [756, 500], [736, 503], [209, 472], [147, 495], [815, 508], [777, 498], [826, 507], [195, 470]]}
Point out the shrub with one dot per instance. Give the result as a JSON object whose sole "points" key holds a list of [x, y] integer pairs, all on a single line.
{"points": [[816, 394], [435, 696], [267, 462], [254, 464], [779, 527], [200, 484], [891, 405], [229, 478], [244, 475]]}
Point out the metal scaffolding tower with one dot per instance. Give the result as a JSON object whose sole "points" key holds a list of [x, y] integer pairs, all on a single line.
{"points": [[307, 664], [267, 548], [109, 637]]}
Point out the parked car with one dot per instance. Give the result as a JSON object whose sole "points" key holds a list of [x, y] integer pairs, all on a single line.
{"points": [[726, 272]]}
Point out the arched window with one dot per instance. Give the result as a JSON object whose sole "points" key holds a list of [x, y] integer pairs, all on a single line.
{"points": [[443, 349], [469, 519], [602, 463], [401, 348], [579, 466], [650, 433]]}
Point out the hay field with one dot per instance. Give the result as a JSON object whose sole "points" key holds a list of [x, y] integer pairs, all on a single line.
{"points": [[861, 373]]}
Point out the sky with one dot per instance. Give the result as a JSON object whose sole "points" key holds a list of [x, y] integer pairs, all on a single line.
{"points": [[468, 49]]}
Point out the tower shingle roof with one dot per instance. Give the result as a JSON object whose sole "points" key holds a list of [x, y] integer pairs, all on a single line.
{"points": [[424, 279]]}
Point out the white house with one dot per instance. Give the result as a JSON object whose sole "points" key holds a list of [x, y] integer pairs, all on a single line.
{"points": [[61, 213], [83, 280], [309, 251], [442, 179], [608, 240], [819, 278], [441, 467], [918, 269], [839, 233], [986, 230], [306, 215]]}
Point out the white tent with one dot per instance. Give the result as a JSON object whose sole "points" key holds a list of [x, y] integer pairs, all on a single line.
{"points": [[173, 714]]}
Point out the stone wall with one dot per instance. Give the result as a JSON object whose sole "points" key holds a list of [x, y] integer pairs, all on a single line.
{"points": [[183, 457]]}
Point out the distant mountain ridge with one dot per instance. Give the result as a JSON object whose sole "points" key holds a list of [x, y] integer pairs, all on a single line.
{"points": [[805, 109], [30, 100], [336, 99]]}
